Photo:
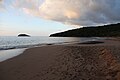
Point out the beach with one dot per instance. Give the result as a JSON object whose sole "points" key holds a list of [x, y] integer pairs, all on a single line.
{"points": [[77, 61]]}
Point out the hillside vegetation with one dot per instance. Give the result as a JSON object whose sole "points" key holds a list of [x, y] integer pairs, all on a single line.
{"points": [[112, 30]]}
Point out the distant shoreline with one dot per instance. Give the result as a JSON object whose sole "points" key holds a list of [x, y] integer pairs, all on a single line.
{"points": [[111, 30]]}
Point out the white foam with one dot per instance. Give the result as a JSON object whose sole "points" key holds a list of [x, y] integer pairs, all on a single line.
{"points": [[7, 54]]}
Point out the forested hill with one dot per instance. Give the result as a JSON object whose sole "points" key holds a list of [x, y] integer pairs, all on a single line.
{"points": [[112, 30]]}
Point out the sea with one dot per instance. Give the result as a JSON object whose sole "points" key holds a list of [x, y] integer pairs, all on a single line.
{"points": [[11, 46]]}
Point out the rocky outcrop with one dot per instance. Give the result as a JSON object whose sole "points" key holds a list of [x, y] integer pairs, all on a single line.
{"points": [[23, 35]]}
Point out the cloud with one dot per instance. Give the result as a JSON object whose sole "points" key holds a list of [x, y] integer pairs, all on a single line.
{"points": [[28, 6], [73, 12], [1, 5], [0, 1]]}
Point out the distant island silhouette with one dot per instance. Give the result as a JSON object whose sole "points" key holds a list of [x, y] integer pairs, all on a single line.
{"points": [[111, 30], [23, 35]]}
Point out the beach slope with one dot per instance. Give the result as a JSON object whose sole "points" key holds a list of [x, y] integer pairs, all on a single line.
{"points": [[65, 62]]}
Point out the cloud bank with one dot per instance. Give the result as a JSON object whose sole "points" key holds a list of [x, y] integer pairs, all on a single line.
{"points": [[73, 12]]}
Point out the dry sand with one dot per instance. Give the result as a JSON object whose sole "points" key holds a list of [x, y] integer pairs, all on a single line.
{"points": [[65, 62]]}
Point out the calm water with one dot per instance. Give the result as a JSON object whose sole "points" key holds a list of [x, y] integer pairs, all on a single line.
{"points": [[12, 42], [12, 46]]}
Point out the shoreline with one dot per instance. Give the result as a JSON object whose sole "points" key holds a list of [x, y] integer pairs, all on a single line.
{"points": [[65, 62], [11, 53], [6, 54]]}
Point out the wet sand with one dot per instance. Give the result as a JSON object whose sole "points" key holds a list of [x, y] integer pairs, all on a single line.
{"points": [[65, 62]]}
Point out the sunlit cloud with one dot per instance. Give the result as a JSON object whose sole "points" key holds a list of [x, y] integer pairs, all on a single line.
{"points": [[72, 12]]}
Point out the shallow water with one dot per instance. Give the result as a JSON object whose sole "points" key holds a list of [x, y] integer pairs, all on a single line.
{"points": [[11, 46], [7, 54]]}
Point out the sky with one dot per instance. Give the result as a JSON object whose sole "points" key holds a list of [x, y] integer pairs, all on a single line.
{"points": [[44, 17]]}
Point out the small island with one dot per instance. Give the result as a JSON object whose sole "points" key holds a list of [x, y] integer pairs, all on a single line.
{"points": [[23, 35]]}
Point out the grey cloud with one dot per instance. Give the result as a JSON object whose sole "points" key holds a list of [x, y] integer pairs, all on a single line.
{"points": [[74, 12], [2, 6], [82, 12]]}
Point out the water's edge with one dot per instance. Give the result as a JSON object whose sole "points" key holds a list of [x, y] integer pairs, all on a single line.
{"points": [[8, 54]]}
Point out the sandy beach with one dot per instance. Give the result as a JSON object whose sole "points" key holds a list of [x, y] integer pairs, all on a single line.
{"points": [[65, 62]]}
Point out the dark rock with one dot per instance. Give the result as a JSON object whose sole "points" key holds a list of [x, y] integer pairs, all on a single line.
{"points": [[92, 42], [23, 35]]}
